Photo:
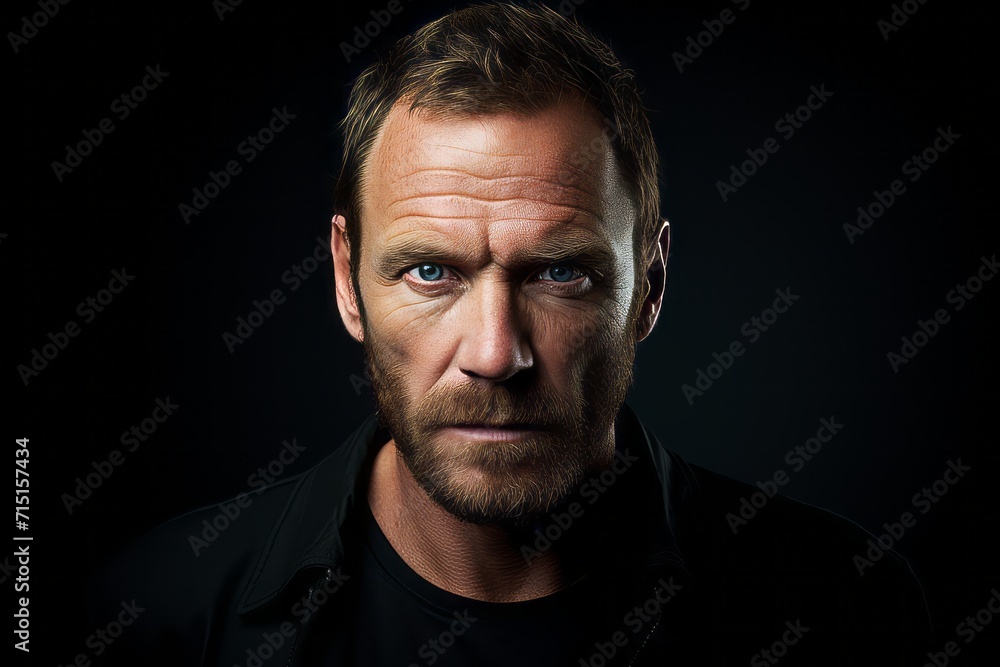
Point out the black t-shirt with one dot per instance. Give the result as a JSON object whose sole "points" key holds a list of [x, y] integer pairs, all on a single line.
{"points": [[389, 615]]}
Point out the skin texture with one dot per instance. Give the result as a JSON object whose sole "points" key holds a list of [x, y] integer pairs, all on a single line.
{"points": [[501, 316]]}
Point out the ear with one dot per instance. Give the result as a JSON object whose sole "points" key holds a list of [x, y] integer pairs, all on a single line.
{"points": [[656, 282], [347, 301]]}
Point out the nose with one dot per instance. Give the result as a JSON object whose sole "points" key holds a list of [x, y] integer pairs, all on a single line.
{"points": [[494, 342]]}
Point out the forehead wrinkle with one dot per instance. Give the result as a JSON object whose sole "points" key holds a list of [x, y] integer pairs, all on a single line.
{"points": [[426, 184], [567, 183], [429, 194], [407, 138], [489, 152], [565, 171], [495, 206], [517, 218], [406, 154], [577, 169]]}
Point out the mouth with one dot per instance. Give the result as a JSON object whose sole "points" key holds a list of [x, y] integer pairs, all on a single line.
{"points": [[509, 426], [494, 431]]}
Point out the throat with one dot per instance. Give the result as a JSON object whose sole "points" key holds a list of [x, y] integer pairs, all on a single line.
{"points": [[490, 563]]}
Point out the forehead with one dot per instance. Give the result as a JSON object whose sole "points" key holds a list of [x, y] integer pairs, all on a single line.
{"points": [[551, 167]]}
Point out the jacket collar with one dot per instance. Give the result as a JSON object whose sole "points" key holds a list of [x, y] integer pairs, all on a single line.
{"points": [[308, 533]]}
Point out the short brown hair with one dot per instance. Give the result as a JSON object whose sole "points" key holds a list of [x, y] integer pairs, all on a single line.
{"points": [[495, 58]]}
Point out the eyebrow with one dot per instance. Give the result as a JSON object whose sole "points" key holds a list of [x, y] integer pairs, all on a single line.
{"points": [[411, 251], [585, 249]]}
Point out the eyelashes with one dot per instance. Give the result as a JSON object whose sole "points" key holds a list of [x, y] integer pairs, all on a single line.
{"points": [[434, 277]]}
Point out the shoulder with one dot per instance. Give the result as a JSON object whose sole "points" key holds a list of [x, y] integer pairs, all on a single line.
{"points": [[754, 512], [171, 589], [757, 519], [771, 559], [207, 580]]}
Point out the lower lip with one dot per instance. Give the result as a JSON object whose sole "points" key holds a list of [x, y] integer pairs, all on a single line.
{"points": [[490, 434]]}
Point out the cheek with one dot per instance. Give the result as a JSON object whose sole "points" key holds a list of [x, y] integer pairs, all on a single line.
{"points": [[409, 338], [569, 341], [391, 306]]}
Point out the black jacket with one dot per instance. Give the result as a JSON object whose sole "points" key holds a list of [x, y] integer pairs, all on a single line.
{"points": [[243, 583]]}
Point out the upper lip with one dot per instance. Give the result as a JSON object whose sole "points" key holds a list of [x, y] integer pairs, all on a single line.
{"points": [[504, 425]]}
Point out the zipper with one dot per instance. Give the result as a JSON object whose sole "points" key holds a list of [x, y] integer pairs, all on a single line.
{"points": [[327, 577], [652, 630]]}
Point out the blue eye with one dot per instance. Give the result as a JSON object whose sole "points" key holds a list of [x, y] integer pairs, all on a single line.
{"points": [[561, 273], [430, 272]]}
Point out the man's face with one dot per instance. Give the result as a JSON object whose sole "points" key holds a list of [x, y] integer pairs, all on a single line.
{"points": [[497, 278]]}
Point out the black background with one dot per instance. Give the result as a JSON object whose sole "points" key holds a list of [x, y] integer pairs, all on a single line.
{"points": [[300, 375]]}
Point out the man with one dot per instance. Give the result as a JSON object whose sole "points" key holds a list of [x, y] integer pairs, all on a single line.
{"points": [[498, 251]]}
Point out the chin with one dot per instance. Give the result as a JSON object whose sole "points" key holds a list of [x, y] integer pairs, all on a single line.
{"points": [[515, 500]]}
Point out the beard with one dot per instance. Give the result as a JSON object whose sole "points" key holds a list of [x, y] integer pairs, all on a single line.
{"points": [[509, 483]]}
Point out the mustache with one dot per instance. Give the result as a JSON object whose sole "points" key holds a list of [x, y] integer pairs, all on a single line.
{"points": [[539, 407]]}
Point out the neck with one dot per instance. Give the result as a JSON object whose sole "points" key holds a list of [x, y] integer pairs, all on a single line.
{"points": [[482, 562]]}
